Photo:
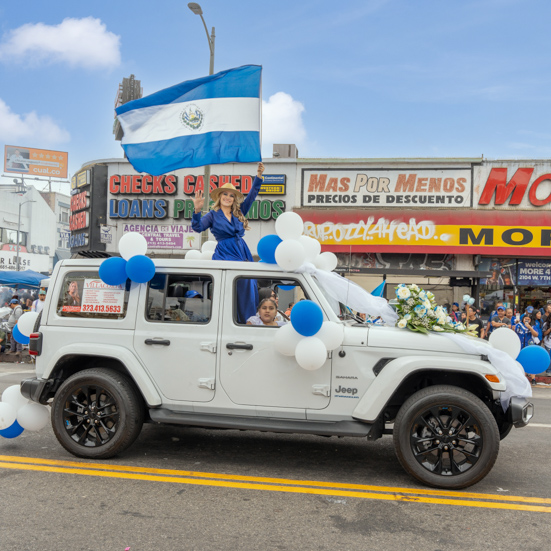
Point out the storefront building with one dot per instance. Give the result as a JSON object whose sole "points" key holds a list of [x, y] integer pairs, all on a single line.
{"points": [[454, 226]]}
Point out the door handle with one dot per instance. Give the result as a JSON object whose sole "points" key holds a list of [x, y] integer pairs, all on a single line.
{"points": [[164, 342], [239, 346]]}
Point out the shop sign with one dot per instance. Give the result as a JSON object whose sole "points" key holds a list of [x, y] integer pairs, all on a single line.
{"points": [[78, 240], [474, 232], [80, 201], [182, 208], [106, 234], [175, 236], [27, 261], [366, 262], [514, 186], [80, 179], [79, 221], [393, 188], [534, 272]]}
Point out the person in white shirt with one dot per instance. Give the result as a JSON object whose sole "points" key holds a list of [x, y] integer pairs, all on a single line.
{"points": [[16, 161], [38, 304]]}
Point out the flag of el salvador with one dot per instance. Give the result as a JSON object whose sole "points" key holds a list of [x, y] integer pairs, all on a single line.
{"points": [[210, 120]]}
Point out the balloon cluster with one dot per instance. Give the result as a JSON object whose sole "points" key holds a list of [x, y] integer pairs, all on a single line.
{"points": [[289, 249], [533, 359], [206, 252], [467, 299], [132, 264], [308, 337], [24, 327], [18, 414]]}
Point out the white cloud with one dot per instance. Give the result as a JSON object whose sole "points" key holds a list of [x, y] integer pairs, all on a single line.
{"points": [[282, 121], [29, 128], [78, 42]]}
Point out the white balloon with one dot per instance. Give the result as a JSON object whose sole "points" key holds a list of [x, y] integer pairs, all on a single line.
{"points": [[466, 298], [311, 353], [33, 416], [320, 262], [331, 334], [330, 260], [286, 340], [132, 244], [312, 247], [7, 415], [207, 255], [12, 395], [194, 255], [209, 246], [506, 340], [26, 322], [290, 254], [289, 225]]}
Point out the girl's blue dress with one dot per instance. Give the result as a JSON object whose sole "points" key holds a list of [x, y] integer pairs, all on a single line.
{"points": [[231, 246], [524, 334]]}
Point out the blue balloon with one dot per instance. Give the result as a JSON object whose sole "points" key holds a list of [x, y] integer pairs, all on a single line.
{"points": [[266, 248], [286, 287], [140, 268], [113, 271], [533, 359], [19, 337], [306, 318], [13, 431]]}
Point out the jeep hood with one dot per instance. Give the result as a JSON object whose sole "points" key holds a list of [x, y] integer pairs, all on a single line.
{"points": [[392, 337]]}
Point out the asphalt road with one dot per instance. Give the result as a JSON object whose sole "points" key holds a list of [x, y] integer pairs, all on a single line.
{"points": [[182, 489]]}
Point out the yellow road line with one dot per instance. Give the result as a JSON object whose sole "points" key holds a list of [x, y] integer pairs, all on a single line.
{"points": [[264, 480], [275, 488]]}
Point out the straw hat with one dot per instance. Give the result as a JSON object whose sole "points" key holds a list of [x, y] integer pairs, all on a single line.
{"points": [[226, 187]]}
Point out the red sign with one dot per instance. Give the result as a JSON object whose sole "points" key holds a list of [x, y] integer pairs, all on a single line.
{"points": [[80, 201], [508, 233], [501, 190], [137, 184], [13, 247], [79, 221]]}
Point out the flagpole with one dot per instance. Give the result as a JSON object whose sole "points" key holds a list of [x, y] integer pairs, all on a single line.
{"points": [[196, 9]]}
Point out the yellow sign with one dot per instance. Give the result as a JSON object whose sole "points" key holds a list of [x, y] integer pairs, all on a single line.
{"points": [[38, 162], [80, 179], [428, 234]]}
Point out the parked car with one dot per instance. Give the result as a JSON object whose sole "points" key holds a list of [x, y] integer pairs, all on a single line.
{"points": [[109, 359]]}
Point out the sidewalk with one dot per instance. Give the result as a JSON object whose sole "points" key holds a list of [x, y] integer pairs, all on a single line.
{"points": [[12, 358]]}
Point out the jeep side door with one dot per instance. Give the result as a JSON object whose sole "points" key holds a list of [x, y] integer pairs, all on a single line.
{"points": [[177, 330], [252, 372]]}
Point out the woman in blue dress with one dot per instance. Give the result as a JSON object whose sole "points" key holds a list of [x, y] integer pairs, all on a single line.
{"points": [[227, 223], [526, 333]]}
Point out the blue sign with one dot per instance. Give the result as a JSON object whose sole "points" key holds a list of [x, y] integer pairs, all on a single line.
{"points": [[534, 272], [274, 179]]}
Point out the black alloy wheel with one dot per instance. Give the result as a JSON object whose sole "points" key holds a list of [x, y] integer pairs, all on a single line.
{"points": [[97, 413], [446, 437]]}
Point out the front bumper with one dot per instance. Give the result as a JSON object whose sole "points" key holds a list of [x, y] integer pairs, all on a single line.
{"points": [[37, 390], [520, 411]]}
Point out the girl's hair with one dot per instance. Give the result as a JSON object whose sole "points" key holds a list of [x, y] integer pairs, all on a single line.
{"points": [[235, 209], [534, 317]]}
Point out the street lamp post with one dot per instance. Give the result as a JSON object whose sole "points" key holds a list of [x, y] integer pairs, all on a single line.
{"points": [[196, 9], [17, 245]]}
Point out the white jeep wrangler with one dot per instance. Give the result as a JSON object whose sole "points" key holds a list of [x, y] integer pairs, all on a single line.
{"points": [[173, 351]]}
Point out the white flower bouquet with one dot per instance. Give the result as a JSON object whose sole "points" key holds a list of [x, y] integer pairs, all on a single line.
{"points": [[418, 312]]}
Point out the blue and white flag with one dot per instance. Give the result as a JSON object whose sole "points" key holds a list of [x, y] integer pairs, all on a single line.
{"points": [[210, 120]]}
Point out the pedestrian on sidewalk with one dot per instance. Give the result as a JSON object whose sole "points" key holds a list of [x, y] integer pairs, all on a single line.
{"points": [[16, 313]]}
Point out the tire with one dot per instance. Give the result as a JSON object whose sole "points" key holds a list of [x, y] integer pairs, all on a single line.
{"points": [[444, 459], [93, 432]]}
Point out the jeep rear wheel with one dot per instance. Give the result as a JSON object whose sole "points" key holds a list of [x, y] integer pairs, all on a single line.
{"points": [[97, 413], [446, 437]]}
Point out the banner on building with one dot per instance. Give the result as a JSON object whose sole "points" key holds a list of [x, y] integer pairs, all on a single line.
{"points": [[38, 162], [175, 236], [387, 188], [451, 232]]}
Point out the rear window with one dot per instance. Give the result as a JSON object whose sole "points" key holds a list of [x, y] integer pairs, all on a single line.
{"points": [[85, 295]]}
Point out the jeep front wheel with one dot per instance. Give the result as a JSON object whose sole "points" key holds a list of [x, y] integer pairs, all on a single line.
{"points": [[97, 413], [446, 437]]}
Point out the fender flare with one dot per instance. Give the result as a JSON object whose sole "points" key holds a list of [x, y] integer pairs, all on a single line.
{"points": [[125, 356], [395, 372]]}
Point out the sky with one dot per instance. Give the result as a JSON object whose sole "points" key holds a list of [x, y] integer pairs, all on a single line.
{"points": [[352, 79]]}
